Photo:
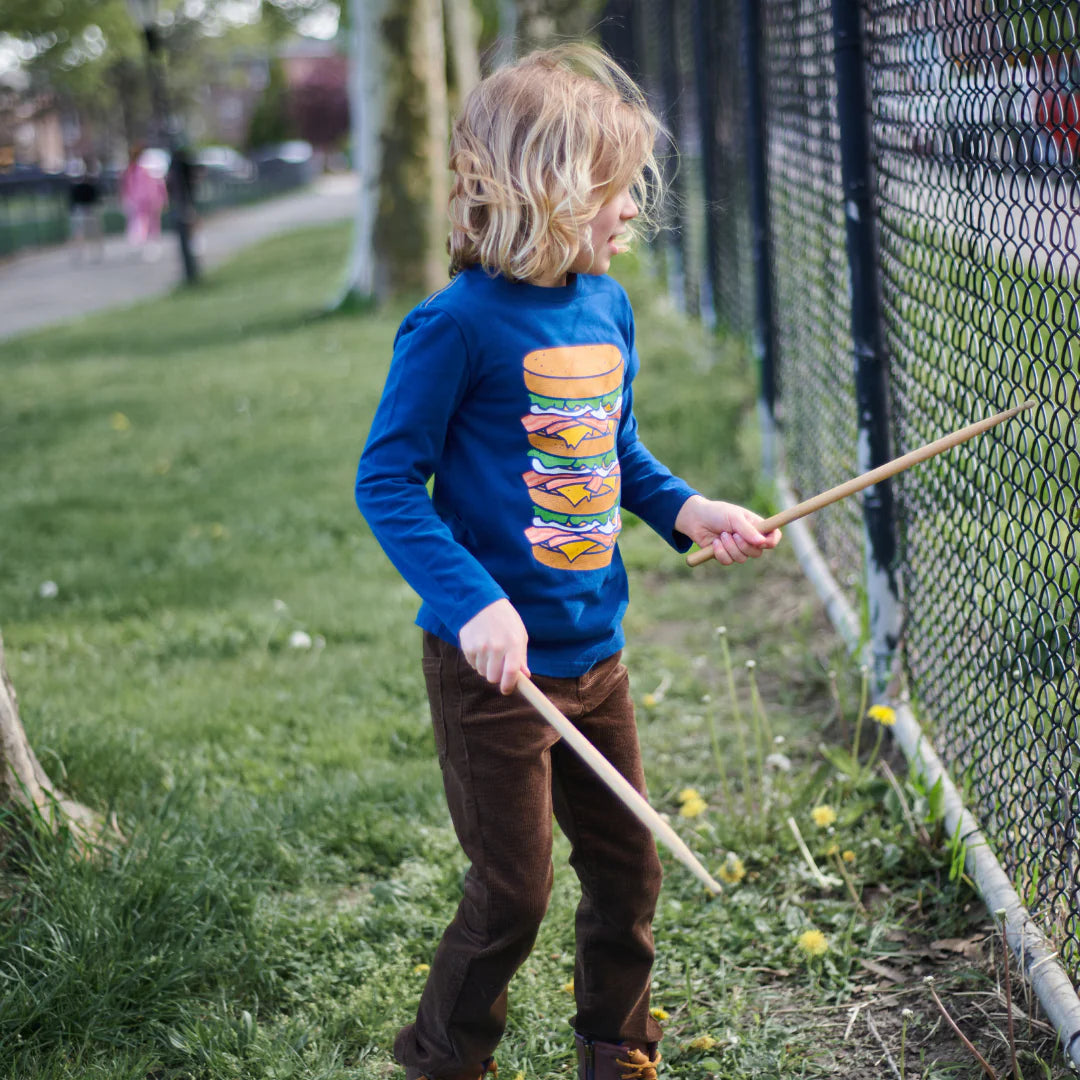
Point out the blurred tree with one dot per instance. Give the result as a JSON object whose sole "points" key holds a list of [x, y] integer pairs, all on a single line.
{"points": [[367, 106], [410, 234], [541, 23], [92, 55], [398, 95], [463, 35]]}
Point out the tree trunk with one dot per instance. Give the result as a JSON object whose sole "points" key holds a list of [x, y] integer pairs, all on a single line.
{"points": [[23, 780], [432, 63], [410, 234], [367, 97], [462, 32]]}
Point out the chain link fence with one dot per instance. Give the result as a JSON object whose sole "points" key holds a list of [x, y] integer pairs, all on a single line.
{"points": [[972, 124]]}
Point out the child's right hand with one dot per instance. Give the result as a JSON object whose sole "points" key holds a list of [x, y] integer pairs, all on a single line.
{"points": [[495, 643]]}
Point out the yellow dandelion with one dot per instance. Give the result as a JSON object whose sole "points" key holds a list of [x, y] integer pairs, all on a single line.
{"points": [[649, 700], [883, 714], [733, 870], [693, 807], [657, 1013], [848, 856], [832, 849], [813, 943], [689, 793], [218, 531], [119, 422], [823, 816], [421, 969], [568, 988], [519, 1076], [702, 1042]]}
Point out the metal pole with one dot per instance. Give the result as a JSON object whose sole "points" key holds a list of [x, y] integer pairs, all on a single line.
{"points": [[704, 62], [675, 225], [879, 515], [760, 235]]}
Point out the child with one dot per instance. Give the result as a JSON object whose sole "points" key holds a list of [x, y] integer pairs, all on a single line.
{"points": [[513, 387]]}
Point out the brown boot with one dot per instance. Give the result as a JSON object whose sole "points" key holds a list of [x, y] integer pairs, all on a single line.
{"points": [[615, 1061]]}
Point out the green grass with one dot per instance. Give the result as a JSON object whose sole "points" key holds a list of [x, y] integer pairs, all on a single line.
{"points": [[183, 473]]}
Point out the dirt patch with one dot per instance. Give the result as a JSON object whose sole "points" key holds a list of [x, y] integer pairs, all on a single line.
{"points": [[861, 1038]]}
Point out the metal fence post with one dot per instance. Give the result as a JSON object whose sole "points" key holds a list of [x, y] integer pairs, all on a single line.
{"points": [[706, 111], [675, 223], [764, 331], [879, 514]]}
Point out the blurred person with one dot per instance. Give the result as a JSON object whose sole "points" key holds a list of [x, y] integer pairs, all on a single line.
{"points": [[143, 196], [85, 202]]}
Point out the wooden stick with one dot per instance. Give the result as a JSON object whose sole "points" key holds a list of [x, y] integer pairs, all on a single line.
{"points": [[874, 476], [615, 780]]}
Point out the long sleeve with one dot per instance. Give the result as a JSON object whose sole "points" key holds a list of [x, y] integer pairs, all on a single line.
{"points": [[649, 488], [428, 378]]}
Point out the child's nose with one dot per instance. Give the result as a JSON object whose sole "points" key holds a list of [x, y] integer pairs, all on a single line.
{"points": [[629, 208]]}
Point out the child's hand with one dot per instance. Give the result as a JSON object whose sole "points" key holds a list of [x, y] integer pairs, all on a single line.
{"points": [[731, 531], [495, 643]]}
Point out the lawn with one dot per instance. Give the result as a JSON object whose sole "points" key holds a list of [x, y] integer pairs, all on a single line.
{"points": [[207, 641]]}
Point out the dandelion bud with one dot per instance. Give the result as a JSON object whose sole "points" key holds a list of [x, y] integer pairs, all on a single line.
{"points": [[907, 1014]]}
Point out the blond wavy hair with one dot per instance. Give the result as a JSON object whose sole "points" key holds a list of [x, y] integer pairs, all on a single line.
{"points": [[540, 146]]}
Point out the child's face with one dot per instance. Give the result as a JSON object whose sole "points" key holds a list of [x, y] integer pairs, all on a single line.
{"points": [[604, 231]]}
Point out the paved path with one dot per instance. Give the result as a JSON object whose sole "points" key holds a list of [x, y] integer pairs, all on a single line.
{"points": [[48, 286]]}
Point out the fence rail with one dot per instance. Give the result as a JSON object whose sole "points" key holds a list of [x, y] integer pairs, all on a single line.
{"points": [[921, 190]]}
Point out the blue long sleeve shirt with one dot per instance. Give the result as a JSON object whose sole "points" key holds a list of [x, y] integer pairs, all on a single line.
{"points": [[518, 399]]}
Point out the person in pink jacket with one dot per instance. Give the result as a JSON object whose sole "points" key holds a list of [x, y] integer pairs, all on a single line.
{"points": [[143, 196]]}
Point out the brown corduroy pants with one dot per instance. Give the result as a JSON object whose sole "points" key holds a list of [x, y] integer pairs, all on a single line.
{"points": [[506, 771]]}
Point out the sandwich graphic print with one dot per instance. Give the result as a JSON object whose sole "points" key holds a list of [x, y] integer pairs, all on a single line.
{"points": [[575, 404]]}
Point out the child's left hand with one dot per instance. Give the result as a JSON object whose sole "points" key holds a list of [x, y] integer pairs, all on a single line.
{"points": [[732, 532]]}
